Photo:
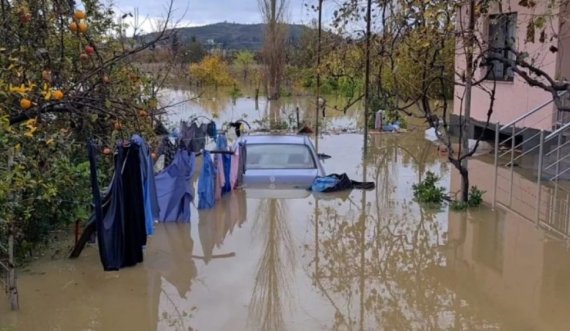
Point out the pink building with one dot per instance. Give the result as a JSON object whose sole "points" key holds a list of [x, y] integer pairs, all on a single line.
{"points": [[508, 27]]}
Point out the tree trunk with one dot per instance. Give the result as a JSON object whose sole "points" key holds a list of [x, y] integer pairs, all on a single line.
{"points": [[464, 183], [465, 129]]}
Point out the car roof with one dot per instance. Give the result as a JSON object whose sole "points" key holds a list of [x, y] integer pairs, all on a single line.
{"points": [[276, 139]]}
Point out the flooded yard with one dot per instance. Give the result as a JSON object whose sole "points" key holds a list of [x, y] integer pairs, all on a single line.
{"points": [[361, 260]]}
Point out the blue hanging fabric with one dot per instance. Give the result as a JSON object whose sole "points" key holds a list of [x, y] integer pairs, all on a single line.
{"points": [[174, 188], [227, 161], [151, 208], [206, 181], [221, 142]]}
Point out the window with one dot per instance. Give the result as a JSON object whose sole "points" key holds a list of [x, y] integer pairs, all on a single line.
{"points": [[502, 36], [279, 156]]}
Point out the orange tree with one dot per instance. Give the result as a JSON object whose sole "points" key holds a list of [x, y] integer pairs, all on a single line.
{"points": [[65, 77]]}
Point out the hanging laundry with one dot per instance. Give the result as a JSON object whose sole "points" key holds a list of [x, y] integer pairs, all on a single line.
{"points": [[234, 167], [241, 163], [168, 149], [211, 129], [174, 188], [227, 165], [220, 177], [221, 142], [120, 228], [159, 164], [206, 189], [149, 184], [186, 136], [200, 138], [134, 210]]}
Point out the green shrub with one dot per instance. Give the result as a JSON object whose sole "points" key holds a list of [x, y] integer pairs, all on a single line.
{"points": [[475, 199], [427, 190]]}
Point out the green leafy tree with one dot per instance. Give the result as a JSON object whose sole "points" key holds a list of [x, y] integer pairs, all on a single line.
{"points": [[212, 70], [64, 79], [244, 60]]}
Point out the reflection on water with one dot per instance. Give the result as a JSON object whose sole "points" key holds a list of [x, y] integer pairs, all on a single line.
{"points": [[361, 260], [274, 275]]}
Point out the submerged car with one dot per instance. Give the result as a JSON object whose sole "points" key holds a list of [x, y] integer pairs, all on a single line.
{"points": [[280, 162]]}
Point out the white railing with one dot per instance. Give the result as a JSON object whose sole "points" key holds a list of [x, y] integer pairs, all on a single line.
{"points": [[546, 151]]}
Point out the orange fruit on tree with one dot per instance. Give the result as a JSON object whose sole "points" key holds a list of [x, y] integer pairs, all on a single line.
{"points": [[73, 26], [82, 27], [25, 103], [143, 113], [79, 15], [57, 95]]}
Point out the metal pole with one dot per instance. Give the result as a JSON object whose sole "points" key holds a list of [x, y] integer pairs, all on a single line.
{"points": [[367, 75], [567, 213], [497, 128], [319, 30], [556, 204], [512, 164], [558, 156], [539, 177]]}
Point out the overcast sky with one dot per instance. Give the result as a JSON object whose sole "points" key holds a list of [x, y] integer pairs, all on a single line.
{"points": [[202, 12]]}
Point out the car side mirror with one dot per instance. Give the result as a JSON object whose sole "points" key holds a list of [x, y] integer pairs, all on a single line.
{"points": [[323, 156]]}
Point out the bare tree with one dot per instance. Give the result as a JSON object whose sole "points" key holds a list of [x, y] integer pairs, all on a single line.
{"points": [[273, 53]]}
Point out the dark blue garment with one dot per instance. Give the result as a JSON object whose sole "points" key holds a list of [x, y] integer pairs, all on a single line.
{"points": [[134, 229], [206, 190], [149, 185], [110, 227], [222, 142], [174, 188], [227, 160]]}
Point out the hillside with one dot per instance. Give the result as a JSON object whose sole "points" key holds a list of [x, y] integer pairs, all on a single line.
{"points": [[233, 35]]}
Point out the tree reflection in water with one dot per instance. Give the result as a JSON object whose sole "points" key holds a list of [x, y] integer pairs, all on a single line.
{"points": [[275, 269], [379, 263]]}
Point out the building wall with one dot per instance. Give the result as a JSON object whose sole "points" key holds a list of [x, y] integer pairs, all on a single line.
{"points": [[515, 98]]}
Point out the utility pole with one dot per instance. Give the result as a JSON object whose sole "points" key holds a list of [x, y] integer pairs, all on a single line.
{"points": [[317, 101], [367, 75]]}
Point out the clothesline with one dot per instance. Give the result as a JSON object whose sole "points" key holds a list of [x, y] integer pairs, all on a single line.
{"points": [[215, 152]]}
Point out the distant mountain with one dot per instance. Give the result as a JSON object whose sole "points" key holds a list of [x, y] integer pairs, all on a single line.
{"points": [[232, 35]]}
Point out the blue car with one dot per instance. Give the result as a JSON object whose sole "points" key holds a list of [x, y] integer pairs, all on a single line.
{"points": [[280, 161]]}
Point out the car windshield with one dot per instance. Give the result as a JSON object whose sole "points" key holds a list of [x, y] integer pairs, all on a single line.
{"points": [[279, 156]]}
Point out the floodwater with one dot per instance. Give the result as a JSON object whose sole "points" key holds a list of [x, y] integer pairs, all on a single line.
{"points": [[362, 260]]}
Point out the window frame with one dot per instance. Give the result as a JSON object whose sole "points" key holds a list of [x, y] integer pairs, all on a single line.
{"points": [[307, 147], [508, 74]]}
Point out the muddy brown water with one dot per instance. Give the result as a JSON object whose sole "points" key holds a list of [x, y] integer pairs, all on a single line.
{"points": [[361, 260]]}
